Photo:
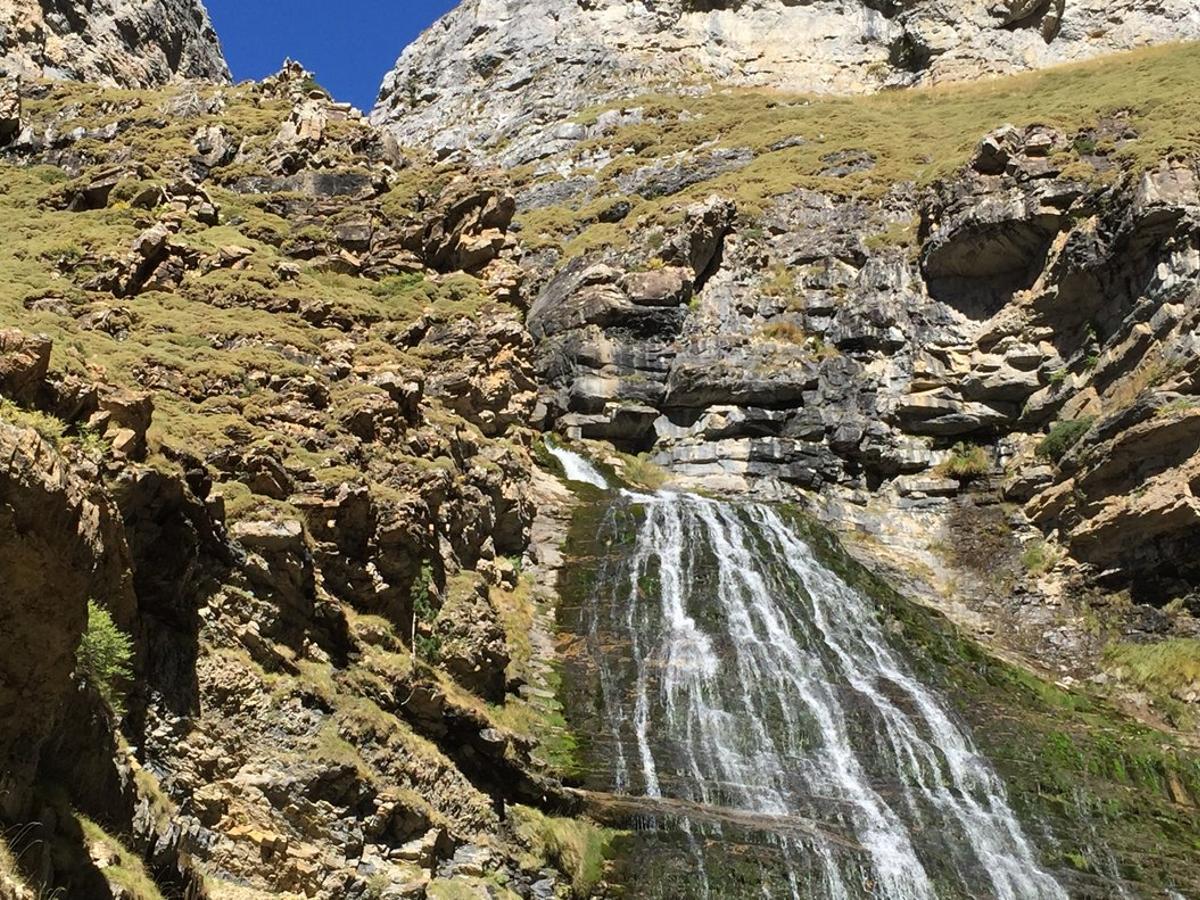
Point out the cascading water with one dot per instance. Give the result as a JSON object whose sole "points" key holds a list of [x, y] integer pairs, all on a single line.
{"points": [[754, 700], [576, 467]]}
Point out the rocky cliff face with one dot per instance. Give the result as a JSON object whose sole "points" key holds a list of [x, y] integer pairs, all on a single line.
{"points": [[273, 389], [757, 294], [505, 79], [269, 406], [112, 42]]}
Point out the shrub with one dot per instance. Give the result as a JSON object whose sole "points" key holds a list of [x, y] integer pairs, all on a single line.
{"points": [[1062, 437], [966, 463], [1038, 557], [426, 644], [783, 332], [103, 657]]}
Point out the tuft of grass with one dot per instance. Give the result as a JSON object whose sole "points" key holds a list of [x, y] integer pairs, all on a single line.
{"points": [[12, 882], [50, 428], [128, 872], [1161, 668], [1178, 405], [639, 471], [966, 463], [1038, 557], [576, 847], [104, 656], [1063, 435], [783, 332]]}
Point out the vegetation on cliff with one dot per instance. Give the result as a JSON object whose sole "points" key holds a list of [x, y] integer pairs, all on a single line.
{"points": [[1124, 113]]}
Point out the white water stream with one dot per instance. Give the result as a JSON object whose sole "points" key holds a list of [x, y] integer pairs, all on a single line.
{"points": [[752, 677]]}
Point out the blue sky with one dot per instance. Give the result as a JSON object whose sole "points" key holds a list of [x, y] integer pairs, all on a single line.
{"points": [[349, 44]]}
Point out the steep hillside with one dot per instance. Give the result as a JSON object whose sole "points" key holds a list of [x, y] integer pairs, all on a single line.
{"points": [[281, 538], [121, 43], [504, 79], [266, 413]]}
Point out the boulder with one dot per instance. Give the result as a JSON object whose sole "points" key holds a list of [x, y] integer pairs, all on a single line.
{"points": [[24, 362], [670, 286]]}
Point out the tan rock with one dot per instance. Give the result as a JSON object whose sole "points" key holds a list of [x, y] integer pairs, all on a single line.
{"points": [[24, 362]]}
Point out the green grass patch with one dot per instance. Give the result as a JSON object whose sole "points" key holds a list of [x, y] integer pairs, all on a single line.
{"points": [[640, 472], [127, 872], [915, 135], [1038, 557], [578, 848], [1063, 435], [967, 462], [1162, 667], [50, 428]]}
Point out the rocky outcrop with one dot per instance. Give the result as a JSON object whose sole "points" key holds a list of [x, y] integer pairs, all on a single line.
{"points": [[112, 42], [320, 571], [505, 79], [50, 549], [804, 348]]}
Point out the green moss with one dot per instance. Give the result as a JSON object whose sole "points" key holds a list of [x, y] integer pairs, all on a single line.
{"points": [[1105, 787]]}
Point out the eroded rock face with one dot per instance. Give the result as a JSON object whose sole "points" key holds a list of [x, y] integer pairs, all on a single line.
{"points": [[113, 42], [50, 547], [803, 348], [502, 78]]}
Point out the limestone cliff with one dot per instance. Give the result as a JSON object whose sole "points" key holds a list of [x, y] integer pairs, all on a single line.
{"points": [[112, 42], [506, 78]]}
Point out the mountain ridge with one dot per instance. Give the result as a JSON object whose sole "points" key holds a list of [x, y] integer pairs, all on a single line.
{"points": [[503, 80]]}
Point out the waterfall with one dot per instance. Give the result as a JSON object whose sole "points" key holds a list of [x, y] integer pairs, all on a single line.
{"points": [[738, 674], [576, 467]]}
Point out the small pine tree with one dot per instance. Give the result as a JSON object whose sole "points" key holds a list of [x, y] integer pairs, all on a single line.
{"points": [[104, 656]]}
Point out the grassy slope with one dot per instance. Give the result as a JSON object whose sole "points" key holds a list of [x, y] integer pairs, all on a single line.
{"points": [[915, 135], [178, 343], [209, 395]]}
